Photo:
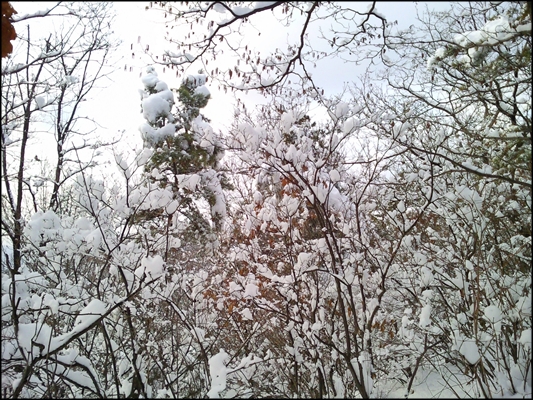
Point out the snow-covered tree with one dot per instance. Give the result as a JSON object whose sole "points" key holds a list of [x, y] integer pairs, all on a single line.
{"points": [[186, 149], [348, 245], [43, 84], [392, 210], [465, 78]]}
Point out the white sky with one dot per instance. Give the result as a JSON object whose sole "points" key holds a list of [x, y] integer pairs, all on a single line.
{"points": [[117, 106]]}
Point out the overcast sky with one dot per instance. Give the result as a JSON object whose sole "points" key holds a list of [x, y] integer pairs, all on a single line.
{"points": [[117, 107]]}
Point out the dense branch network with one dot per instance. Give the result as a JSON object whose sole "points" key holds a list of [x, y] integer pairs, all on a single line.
{"points": [[210, 29]]}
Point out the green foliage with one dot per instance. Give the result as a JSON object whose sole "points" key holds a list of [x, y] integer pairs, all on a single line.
{"points": [[181, 154], [191, 150], [192, 102]]}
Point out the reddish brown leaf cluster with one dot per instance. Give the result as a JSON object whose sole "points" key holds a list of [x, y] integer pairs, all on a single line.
{"points": [[8, 31]]}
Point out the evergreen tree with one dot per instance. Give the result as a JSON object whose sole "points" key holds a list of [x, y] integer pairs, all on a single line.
{"points": [[186, 150]]}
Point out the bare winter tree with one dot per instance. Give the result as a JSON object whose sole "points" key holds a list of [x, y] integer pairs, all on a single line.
{"points": [[43, 86], [470, 76], [44, 82], [214, 29]]}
